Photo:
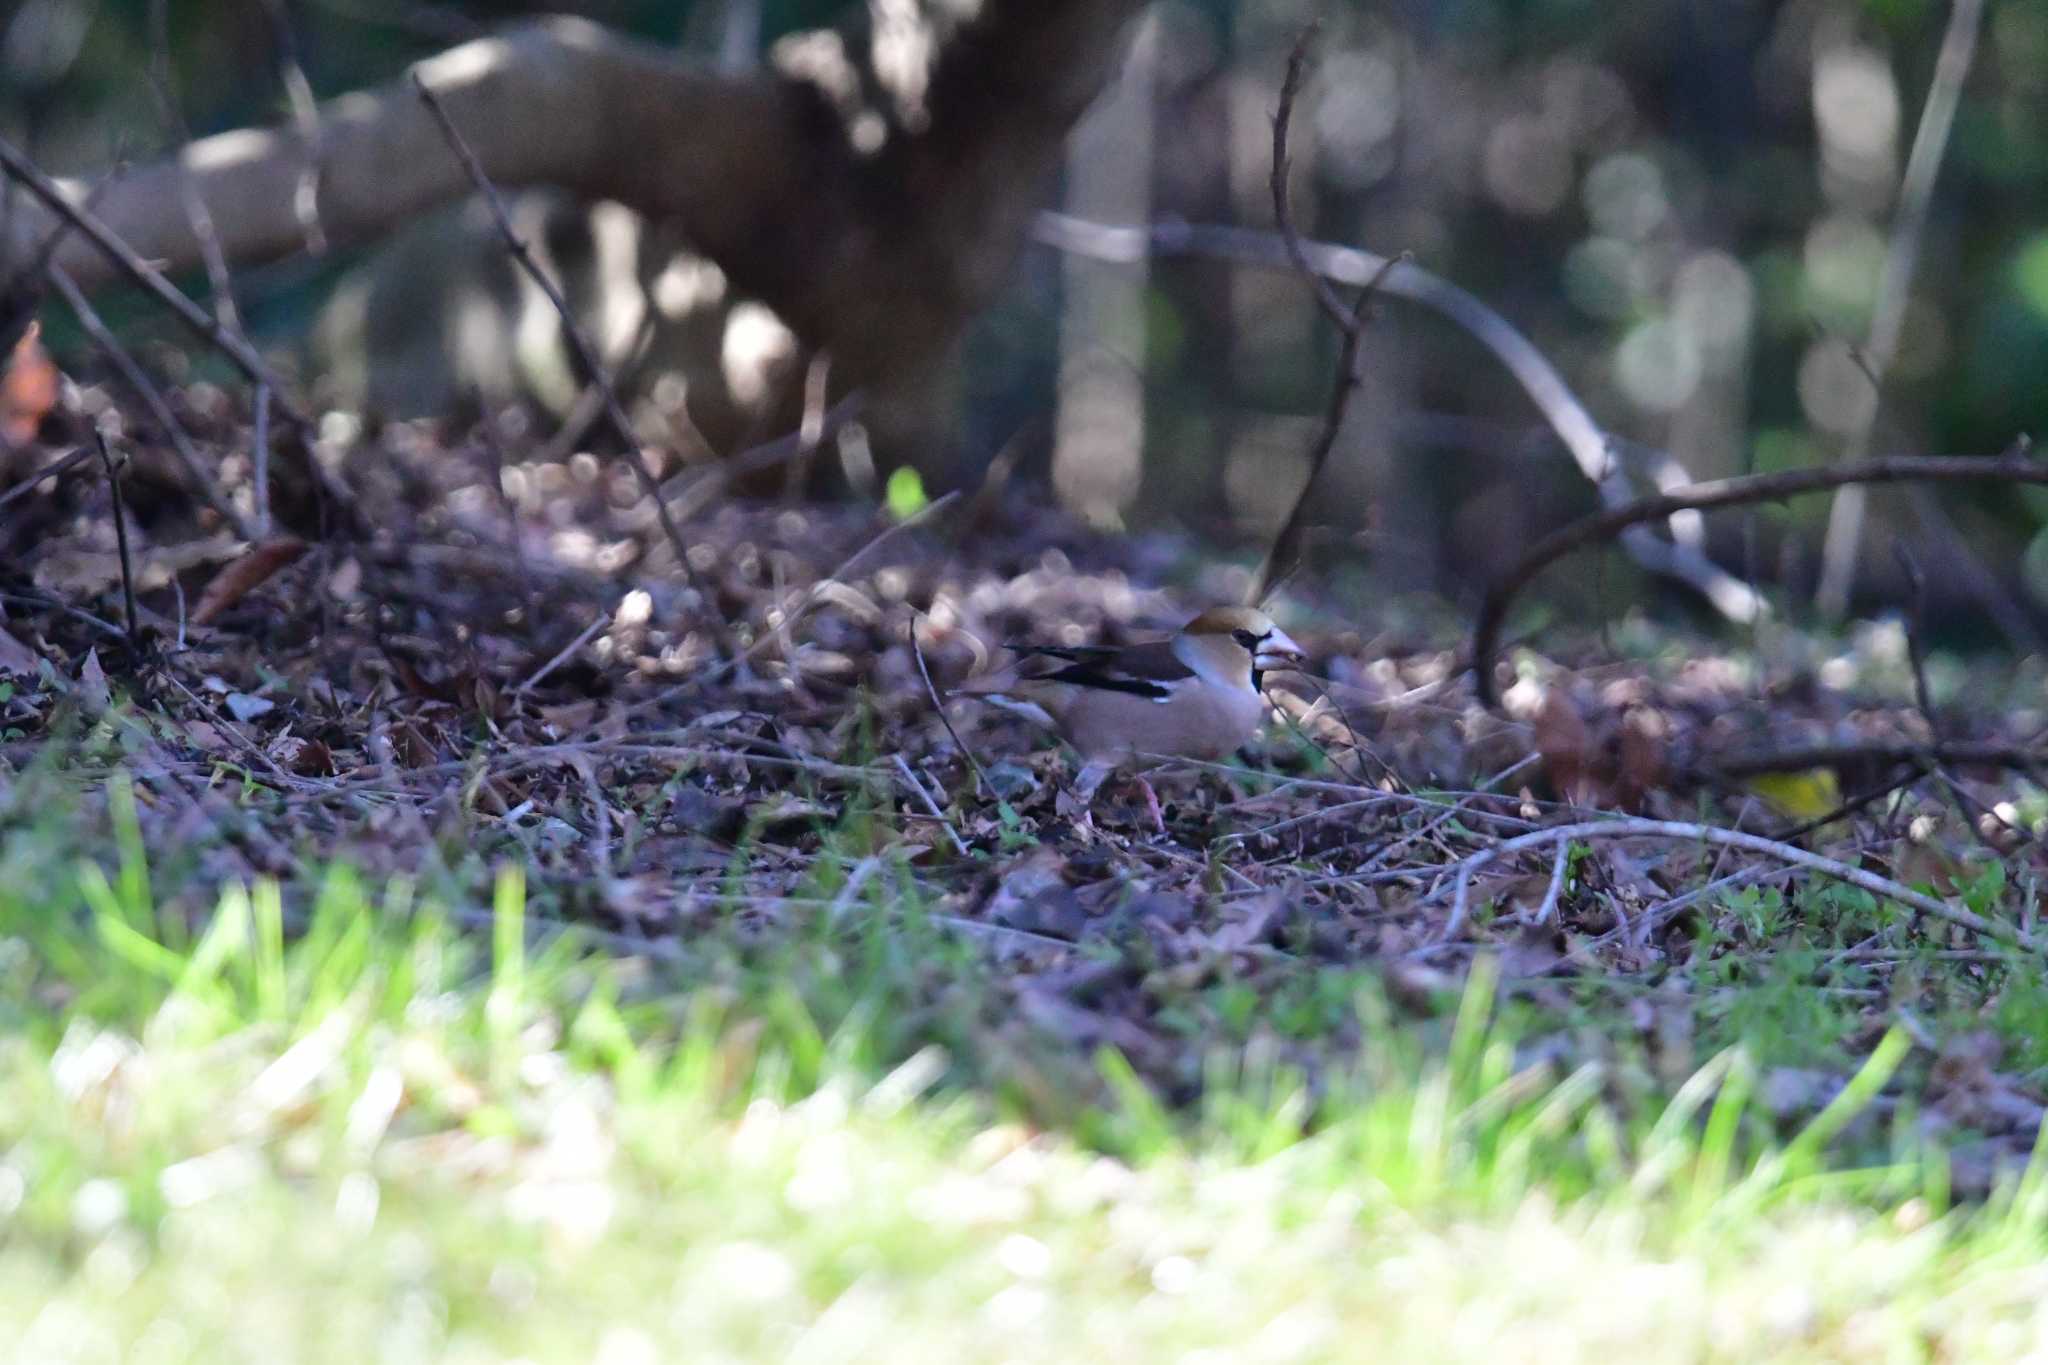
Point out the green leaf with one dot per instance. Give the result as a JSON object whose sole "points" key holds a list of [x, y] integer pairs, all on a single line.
{"points": [[905, 496]]}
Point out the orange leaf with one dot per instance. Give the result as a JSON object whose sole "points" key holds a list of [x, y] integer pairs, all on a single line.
{"points": [[28, 388], [1566, 745], [244, 576]]}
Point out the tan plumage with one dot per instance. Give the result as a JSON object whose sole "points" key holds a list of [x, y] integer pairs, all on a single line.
{"points": [[1195, 695]]}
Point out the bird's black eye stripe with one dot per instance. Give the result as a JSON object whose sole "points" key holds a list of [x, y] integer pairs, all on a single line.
{"points": [[1246, 638]]}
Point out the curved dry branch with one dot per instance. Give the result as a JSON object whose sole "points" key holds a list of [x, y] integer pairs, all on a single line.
{"points": [[1735, 492], [1589, 445]]}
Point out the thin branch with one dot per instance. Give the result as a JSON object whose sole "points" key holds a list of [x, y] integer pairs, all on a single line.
{"points": [[1732, 492], [1731, 838], [113, 468], [930, 690], [151, 280], [235, 346], [306, 119], [259, 443], [1923, 696], [586, 354], [694, 489], [1283, 214], [1555, 890], [1894, 291], [196, 212], [567, 652], [48, 471], [494, 451], [1350, 322], [137, 378], [924, 798], [1589, 444]]}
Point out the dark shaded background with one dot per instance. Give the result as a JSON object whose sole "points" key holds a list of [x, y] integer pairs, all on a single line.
{"points": [[1683, 202]]}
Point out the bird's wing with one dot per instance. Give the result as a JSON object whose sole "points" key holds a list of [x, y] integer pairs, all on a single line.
{"points": [[1149, 670]]}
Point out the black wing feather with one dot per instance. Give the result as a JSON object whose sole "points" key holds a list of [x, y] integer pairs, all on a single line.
{"points": [[1141, 670]]}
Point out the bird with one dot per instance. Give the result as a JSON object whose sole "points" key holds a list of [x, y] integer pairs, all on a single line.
{"points": [[1195, 695]]}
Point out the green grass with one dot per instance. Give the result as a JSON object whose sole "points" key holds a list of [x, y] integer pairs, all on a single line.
{"points": [[324, 1121]]}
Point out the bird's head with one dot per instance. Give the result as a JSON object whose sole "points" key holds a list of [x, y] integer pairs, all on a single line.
{"points": [[1242, 639]]}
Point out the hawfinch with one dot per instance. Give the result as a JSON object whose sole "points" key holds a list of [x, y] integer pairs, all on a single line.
{"points": [[1196, 695]]}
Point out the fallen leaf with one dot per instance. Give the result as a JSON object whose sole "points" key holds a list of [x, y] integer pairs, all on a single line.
{"points": [[306, 757], [1645, 761], [244, 576], [246, 708], [1800, 796], [93, 694], [1566, 745], [28, 388], [15, 657]]}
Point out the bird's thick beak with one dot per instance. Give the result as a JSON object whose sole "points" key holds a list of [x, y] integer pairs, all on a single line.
{"points": [[1278, 651]]}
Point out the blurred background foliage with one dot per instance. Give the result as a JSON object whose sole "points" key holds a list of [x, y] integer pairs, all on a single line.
{"points": [[1684, 203]]}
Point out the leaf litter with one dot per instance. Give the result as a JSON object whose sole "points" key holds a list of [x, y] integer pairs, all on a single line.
{"points": [[522, 673]]}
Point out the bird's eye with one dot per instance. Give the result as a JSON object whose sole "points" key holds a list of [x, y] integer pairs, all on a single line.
{"points": [[1245, 638]]}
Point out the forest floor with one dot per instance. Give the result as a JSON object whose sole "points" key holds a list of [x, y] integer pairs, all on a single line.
{"points": [[525, 942]]}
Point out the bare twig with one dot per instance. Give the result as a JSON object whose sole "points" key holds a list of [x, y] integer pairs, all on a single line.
{"points": [[1350, 321], [695, 489], [1895, 287], [49, 471], [924, 798], [138, 379], [208, 328], [298, 93], [1555, 891], [259, 455], [1732, 492], [939, 707], [1753, 843], [196, 212], [1333, 307], [566, 653], [1589, 444], [113, 468], [586, 354], [811, 431], [494, 451]]}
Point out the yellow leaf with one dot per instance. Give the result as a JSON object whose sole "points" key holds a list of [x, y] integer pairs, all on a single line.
{"points": [[1802, 796]]}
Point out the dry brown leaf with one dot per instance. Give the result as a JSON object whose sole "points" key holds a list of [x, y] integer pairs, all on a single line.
{"points": [[15, 657], [29, 384], [93, 694], [1566, 745], [244, 576], [1645, 755], [306, 757]]}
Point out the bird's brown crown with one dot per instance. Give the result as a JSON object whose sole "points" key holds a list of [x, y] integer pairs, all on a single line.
{"points": [[1225, 620]]}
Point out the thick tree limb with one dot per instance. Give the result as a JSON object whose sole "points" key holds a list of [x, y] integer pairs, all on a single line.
{"points": [[874, 253]]}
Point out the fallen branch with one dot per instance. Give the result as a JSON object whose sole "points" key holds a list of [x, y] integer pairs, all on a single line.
{"points": [[1729, 838], [1589, 444], [2013, 467]]}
